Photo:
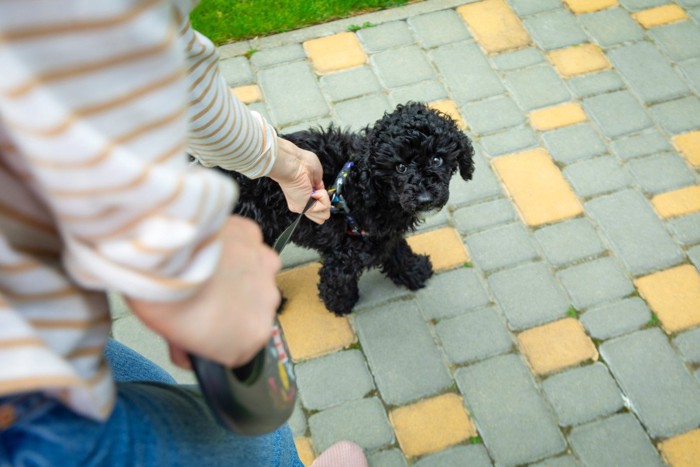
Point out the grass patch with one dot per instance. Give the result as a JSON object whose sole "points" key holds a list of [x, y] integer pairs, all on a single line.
{"points": [[225, 21], [355, 27], [653, 322], [476, 440], [572, 312], [468, 265]]}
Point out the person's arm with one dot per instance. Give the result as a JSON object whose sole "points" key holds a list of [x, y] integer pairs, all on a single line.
{"points": [[94, 98], [223, 132]]}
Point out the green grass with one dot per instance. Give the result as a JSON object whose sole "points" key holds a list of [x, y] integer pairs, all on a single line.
{"points": [[225, 21]]}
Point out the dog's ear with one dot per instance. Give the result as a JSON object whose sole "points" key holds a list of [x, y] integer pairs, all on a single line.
{"points": [[465, 158]]}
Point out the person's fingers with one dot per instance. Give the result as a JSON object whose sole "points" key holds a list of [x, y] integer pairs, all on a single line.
{"points": [[179, 357], [321, 210]]}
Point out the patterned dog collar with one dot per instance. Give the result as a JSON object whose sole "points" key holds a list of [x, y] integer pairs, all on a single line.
{"points": [[340, 206]]}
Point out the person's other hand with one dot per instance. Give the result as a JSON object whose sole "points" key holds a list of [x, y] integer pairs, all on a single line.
{"points": [[300, 175], [230, 318]]}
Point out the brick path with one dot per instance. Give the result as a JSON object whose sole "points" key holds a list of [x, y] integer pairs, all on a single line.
{"points": [[561, 328]]}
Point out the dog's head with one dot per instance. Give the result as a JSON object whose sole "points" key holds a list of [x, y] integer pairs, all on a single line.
{"points": [[412, 154]]}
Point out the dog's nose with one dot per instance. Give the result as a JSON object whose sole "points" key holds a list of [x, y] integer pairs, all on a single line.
{"points": [[424, 198]]}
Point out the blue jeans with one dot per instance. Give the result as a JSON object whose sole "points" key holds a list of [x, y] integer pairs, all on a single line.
{"points": [[154, 422]]}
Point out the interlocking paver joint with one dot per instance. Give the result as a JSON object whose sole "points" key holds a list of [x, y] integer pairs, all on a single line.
{"points": [[573, 336]]}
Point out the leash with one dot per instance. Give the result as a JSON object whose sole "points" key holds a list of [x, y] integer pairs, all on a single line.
{"points": [[258, 397]]}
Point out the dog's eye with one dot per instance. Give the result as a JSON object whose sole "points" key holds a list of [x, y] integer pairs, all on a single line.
{"points": [[401, 168], [436, 161]]}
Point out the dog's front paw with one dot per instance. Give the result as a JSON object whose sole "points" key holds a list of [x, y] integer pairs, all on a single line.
{"points": [[414, 273], [339, 300]]}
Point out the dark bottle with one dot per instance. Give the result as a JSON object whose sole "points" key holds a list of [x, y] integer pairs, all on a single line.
{"points": [[256, 398]]}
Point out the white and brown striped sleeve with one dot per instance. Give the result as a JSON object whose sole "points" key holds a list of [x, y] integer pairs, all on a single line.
{"points": [[94, 98], [222, 131]]}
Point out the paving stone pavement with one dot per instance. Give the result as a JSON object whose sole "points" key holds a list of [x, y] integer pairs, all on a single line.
{"points": [[562, 327]]}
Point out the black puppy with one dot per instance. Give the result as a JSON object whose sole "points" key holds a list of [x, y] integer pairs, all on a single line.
{"points": [[380, 181]]}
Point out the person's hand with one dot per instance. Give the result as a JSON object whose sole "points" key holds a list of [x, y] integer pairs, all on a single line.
{"points": [[300, 175], [230, 318]]}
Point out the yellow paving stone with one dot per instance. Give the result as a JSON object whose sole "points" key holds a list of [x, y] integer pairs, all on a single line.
{"points": [[305, 450], [688, 144], [579, 59], [431, 425], [537, 187], [556, 345], [682, 450], [450, 108], [494, 26], [310, 329], [336, 52], [248, 94], [556, 117], [674, 295], [660, 15], [444, 246], [589, 6], [677, 203]]}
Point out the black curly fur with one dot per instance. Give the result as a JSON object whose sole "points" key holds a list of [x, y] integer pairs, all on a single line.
{"points": [[386, 203]]}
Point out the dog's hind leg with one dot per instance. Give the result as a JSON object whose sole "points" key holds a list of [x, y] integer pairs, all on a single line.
{"points": [[406, 268], [338, 286]]}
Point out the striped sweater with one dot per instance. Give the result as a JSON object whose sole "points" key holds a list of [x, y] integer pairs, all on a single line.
{"points": [[100, 102]]}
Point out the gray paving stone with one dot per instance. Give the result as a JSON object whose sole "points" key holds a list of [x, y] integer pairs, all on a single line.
{"points": [[352, 83], [117, 306], [473, 456], [466, 72], [661, 172], [597, 176], [452, 293], [612, 26], [688, 343], [573, 143], [691, 71], [678, 116], [596, 83], [436, 220], [297, 422], [401, 67], [634, 232], [387, 458], [262, 110], [537, 86], [401, 352], [512, 417], [278, 55], [694, 255], [439, 28], [555, 29], [695, 13], [512, 140], [501, 247], [617, 113], [686, 229], [474, 336], [484, 185], [595, 282], [386, 36], [614, 319], [358, 113], [648, 72], [583, 394], [640, 145], [619, 440], [659, 387], [485, 215], [518, 59], [528, 295], [376, 288], [563, 461], [294, 255], [636, 5], [493, 114], [363, 422], [322, 122], [236, 71], [426, 91], [334, 379], [569, 241], [689, 3], [305, 103], [678, 40], [528, 7]]}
